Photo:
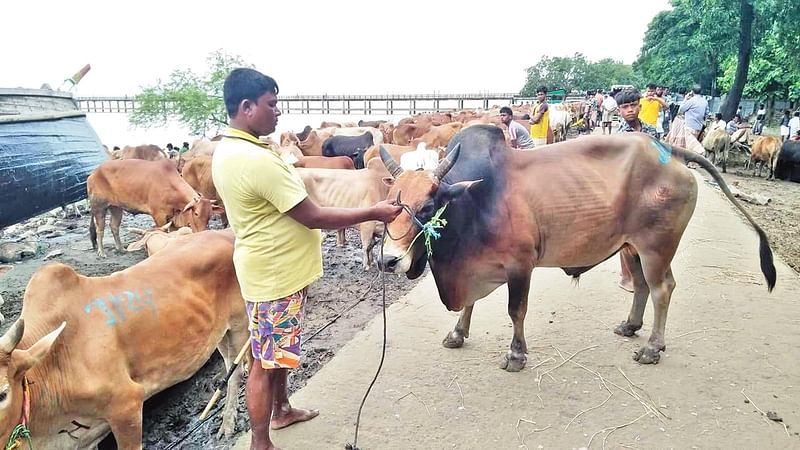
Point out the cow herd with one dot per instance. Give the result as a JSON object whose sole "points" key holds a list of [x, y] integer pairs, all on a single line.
{"points": [[88, 351]]}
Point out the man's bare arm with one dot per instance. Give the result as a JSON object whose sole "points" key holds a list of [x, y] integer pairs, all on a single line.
{"points": [[314, 216]]}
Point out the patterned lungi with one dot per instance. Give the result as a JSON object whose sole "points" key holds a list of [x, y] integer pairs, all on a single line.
{"points": [[275, 327]]}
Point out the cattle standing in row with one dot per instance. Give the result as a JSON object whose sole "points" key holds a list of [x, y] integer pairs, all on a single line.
{"points": [[91, 350], [624, 192], [150, 187], [351, 146], [350, 189]]}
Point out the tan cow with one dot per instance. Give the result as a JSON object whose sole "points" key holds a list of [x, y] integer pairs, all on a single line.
{"points": [[350, 189], [325, 162], [145, 152], [438, 136], [387, 129], [312, 145], [154, 240], [405, 133], [93, 349], [326, 124], [765, 151], [197, 173], [717, 144], [396, 151], [151, 187], [288, 138]]}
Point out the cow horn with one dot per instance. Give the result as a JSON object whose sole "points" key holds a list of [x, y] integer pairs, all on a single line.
{"points": [[12, 337], [391, 165], [447, 163]]}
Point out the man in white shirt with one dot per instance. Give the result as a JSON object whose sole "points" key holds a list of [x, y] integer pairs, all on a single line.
{"points": [[794, 124], [609, 108], [718, 123]]}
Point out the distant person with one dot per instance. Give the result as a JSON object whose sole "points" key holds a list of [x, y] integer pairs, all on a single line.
{"points": [[598, 99], [185, 147], [761, 114], [170, 147], [718, 123], [609, 108], [785, 125], [694, 110], [738, 129], [662, 124], [540, 122], [650, 106], [519, 136], [739, 111], [794, 124]]}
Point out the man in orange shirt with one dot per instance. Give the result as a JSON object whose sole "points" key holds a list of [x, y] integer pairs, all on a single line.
{"points": [[650, 106]]}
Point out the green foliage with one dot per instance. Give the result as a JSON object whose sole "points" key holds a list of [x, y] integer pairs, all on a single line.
{"points": [[194, 100], [576, 73], [767, 74]]}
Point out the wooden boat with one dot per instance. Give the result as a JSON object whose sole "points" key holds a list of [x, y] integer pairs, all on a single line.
{"points": [[47, 149]]}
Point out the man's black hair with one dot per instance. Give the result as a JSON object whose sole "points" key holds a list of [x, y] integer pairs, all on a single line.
{"points": [[651, 85], [506, 110], [185, 144], [718, 116], [630, 95], [682, 90], [245, 84], [541, 89]]}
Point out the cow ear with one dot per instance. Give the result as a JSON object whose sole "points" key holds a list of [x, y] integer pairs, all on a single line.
{"points": [[24, 360], [455, 190], [389, 181]]}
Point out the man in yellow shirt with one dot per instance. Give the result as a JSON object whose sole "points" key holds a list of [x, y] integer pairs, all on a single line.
{"points": [[277, 251], [650, 105], [540, 118]]}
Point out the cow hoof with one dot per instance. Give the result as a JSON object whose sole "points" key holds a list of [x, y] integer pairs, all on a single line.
{"points": [[513, 362], [227, 427], [626, 329], [454, 339], [647, 355]]}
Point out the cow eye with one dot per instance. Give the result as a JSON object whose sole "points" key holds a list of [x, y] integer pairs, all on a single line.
{"points": [[3, 396], [426, 210]]}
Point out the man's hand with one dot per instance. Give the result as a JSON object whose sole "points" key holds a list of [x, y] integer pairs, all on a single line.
{"points": [[386, 211]]}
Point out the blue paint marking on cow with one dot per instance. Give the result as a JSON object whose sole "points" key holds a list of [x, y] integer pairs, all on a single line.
{"points": [[664, 152], [116, 313]]}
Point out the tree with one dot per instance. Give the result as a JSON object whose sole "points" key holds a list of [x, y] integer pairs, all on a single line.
{"points": [[194, 100], [576, 73], [747, 15]]}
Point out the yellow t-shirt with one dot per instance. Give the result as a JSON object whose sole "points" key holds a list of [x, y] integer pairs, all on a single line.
{"points": [[274, 255], [539, 130], [649, 110]]}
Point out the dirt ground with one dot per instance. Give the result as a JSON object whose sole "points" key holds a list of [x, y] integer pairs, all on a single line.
{"points": [[170, 414]]}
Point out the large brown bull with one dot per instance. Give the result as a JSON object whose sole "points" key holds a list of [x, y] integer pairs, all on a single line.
{"points": [[571, 205]]}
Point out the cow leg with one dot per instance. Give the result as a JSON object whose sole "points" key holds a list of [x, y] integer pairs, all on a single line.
{"points": [[367, 230], [455, 338], [125, 416], [229, 348], [518, 288], [116, 221], [340, 237], [661, 283], [641, 291], [96, 232]]}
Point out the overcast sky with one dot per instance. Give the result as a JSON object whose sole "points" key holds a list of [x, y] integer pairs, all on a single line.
{"points": [[334, 47]]}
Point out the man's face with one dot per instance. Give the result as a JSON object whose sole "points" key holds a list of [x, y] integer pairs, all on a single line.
{"points": [[629, 111], [649, 92], [505, 118], [659, 91], [262, 115], [541, 96]]}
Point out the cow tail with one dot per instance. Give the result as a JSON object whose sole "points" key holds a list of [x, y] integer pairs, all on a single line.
{"points": [[765, 252]]}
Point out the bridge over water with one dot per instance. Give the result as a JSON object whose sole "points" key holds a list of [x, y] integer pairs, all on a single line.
{"points": [[342, 104]]}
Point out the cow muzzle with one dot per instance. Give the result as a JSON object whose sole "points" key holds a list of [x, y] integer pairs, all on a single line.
{"points": [[395, 260]]}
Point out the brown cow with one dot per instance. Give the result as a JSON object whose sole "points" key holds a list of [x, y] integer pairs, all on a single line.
{"points": [[288, 138], [717, 144], [396, 151], [197, 173], [387, 129], [326, 162], [629, 192], [154, 240], [145, 152], [199, 147], [151, 187], [438, 136], [350, 189], [326, 124], [765, 151], [405, 133], [92, 349], [312, 145]]}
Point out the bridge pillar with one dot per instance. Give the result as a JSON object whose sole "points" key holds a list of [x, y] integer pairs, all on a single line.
{"points": [[369, 106], [413, 107], [391, 106], [436, 104], [460, 103]]}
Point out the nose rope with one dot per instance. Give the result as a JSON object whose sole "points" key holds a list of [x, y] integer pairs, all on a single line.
{"points": [[428, 229]]}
